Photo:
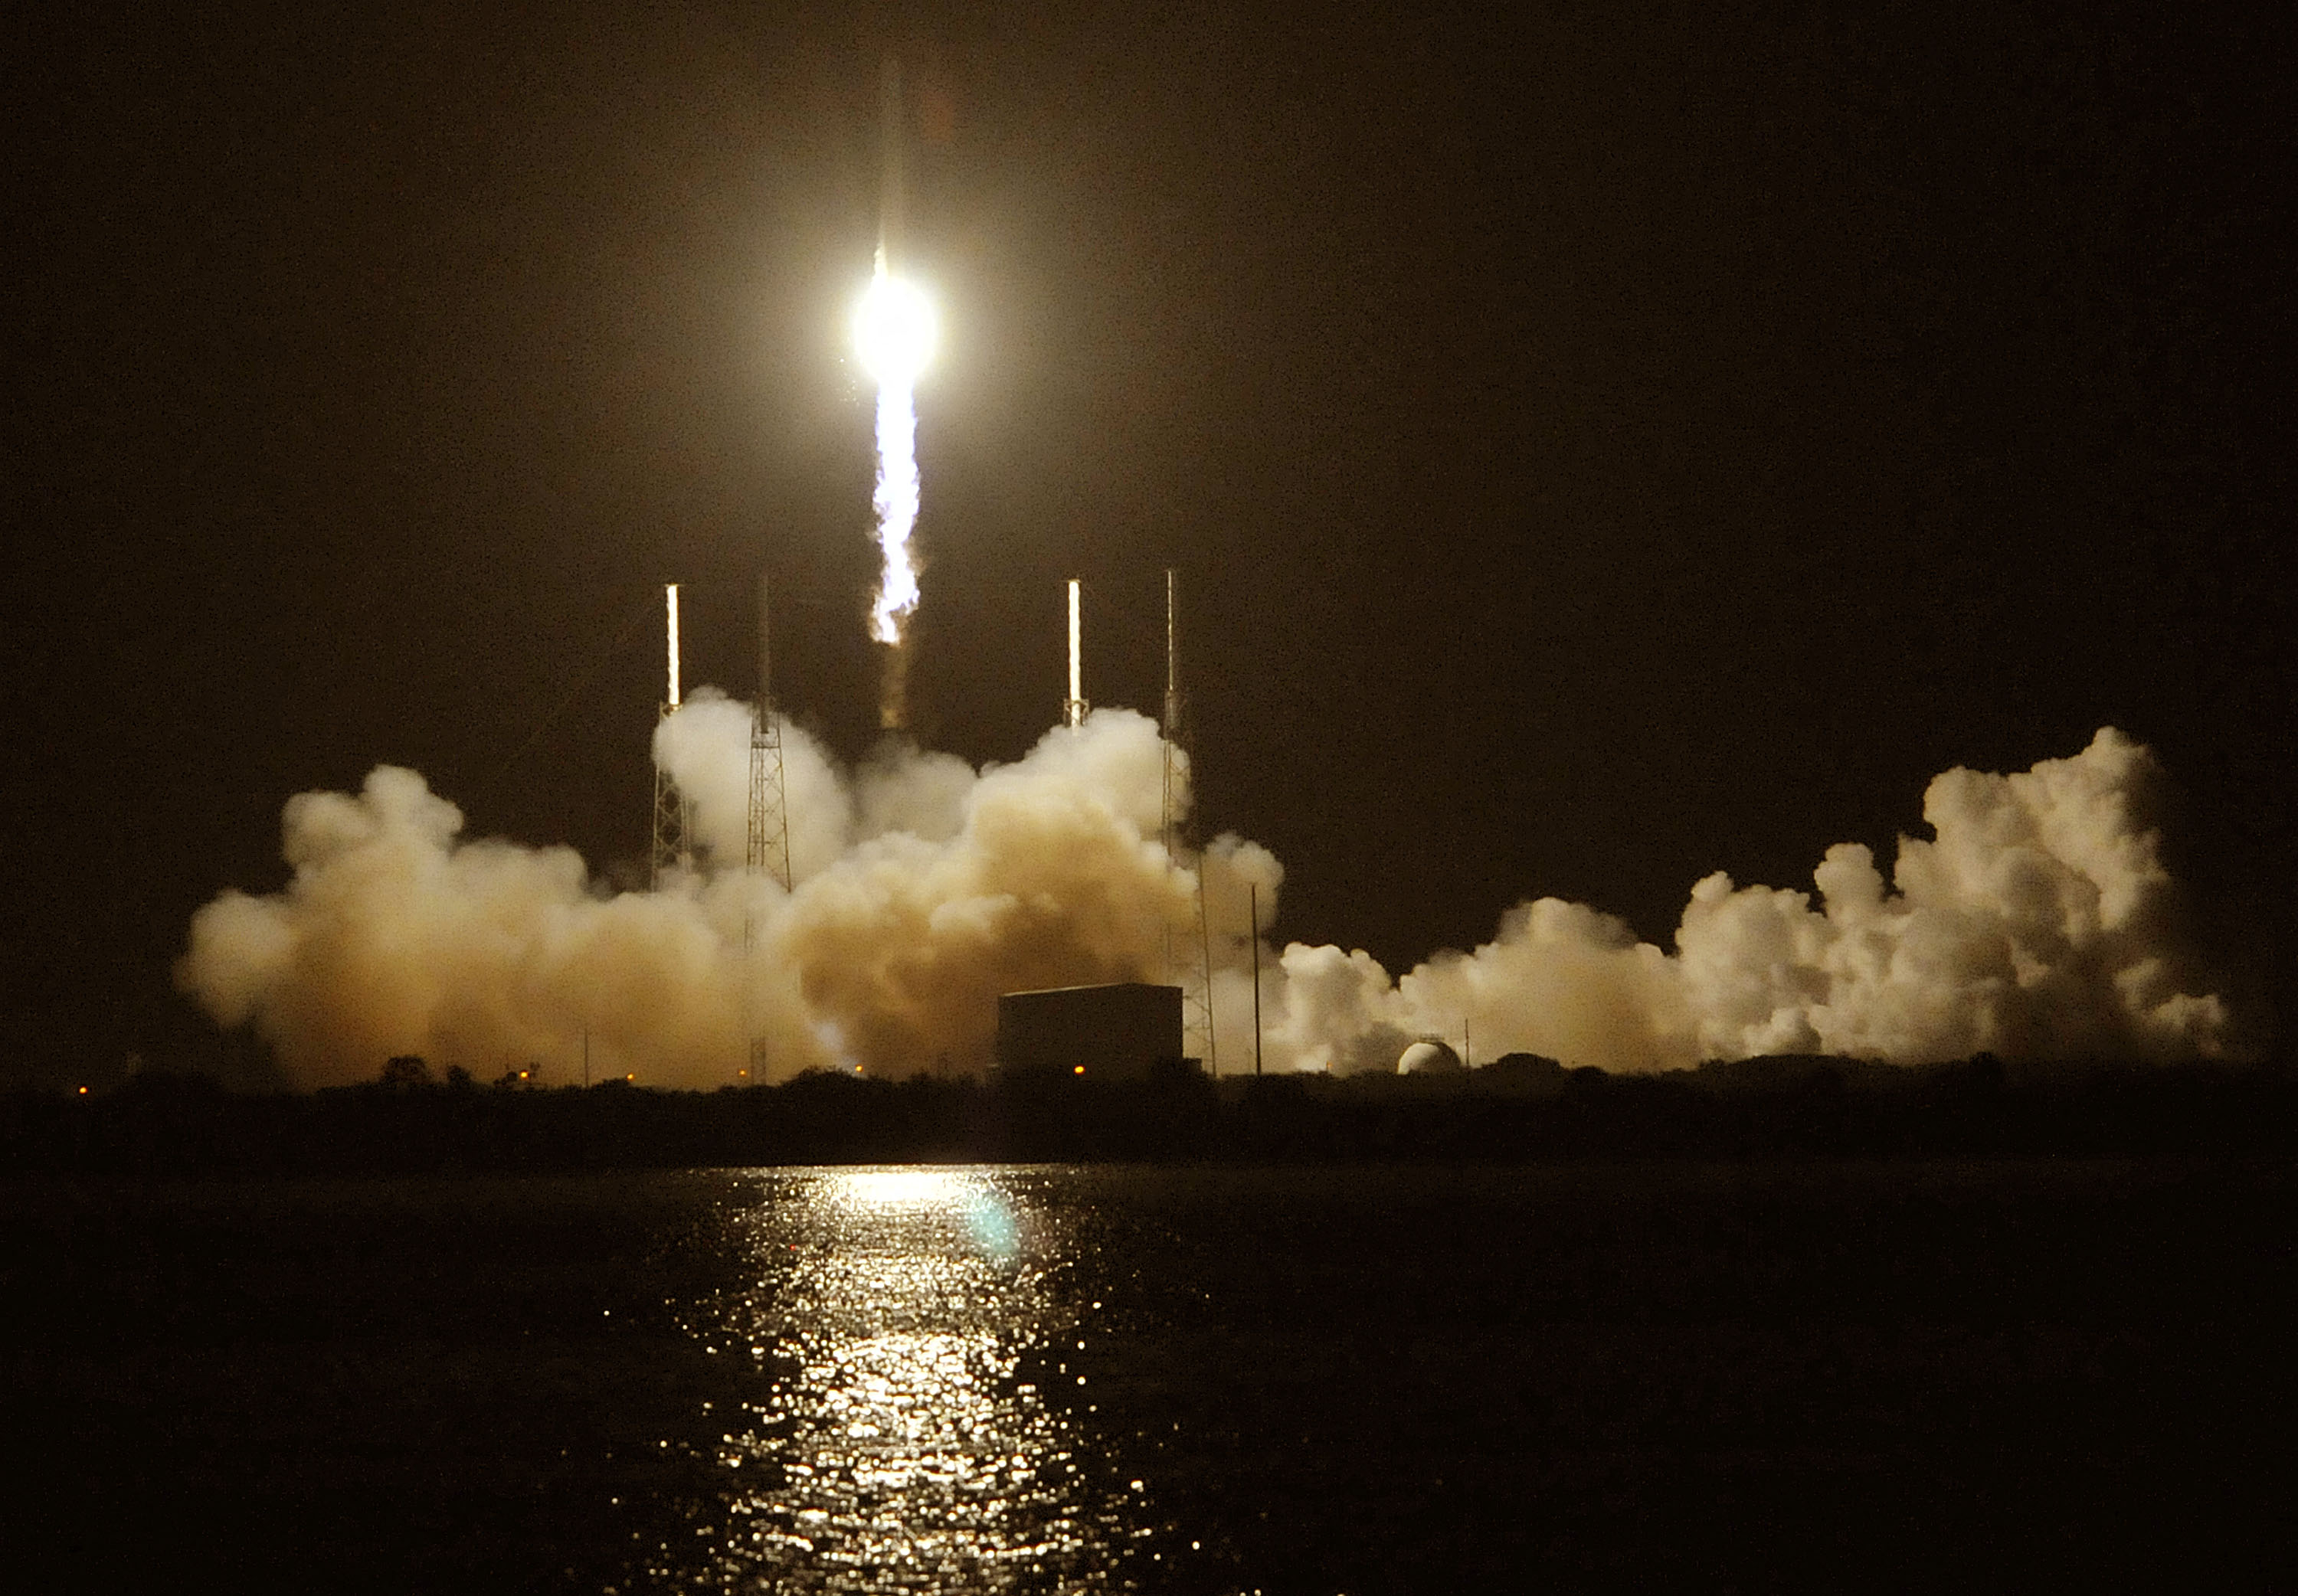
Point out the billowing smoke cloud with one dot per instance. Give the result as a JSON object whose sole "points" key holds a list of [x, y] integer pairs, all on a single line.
{"points": [[922, 889], [2036, 921]]}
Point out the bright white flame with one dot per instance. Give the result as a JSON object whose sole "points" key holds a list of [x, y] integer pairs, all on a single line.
{"points": [[894, 330], [898, 512]]}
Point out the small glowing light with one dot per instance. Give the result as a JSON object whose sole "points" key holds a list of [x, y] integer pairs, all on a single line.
{"points": [[630, 1077], [522, 1075], [83, 1091], [1078, 1070], [894, 330]]}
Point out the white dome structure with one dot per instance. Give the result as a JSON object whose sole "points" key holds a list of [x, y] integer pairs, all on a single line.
{"points": [[1429, 1056]]}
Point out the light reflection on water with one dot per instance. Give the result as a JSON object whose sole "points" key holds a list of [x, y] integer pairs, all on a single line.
{"points": [[901, 1323]]}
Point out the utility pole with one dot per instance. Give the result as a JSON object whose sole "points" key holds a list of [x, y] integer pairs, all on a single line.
{"points": [[1180, 843], [1253, 892]]}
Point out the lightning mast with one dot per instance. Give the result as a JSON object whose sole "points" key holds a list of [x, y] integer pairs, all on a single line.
{"points": [[1194, 976], [1074, 707], [672, 849]]}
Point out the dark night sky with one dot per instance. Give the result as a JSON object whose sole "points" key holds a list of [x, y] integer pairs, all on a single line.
{"points": [[1599, 444]]}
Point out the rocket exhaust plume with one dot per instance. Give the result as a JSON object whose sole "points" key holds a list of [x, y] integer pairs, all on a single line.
{"points": [[894, 334], [896, 503], [895, 330]]}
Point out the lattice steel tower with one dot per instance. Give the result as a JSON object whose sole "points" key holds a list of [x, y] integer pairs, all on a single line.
{"points": [[769, 828], [671, 848], [1188, 961], [769, 822]]}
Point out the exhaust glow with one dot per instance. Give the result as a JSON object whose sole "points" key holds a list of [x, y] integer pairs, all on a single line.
{"points": [[894, 332]]}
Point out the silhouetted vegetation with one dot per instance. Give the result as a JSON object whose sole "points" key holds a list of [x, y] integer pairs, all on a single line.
{"points": [[1520, 1108], [406, 1074]]}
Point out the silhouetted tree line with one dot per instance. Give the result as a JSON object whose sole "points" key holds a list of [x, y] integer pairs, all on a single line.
{"points": [[1520, 1108]]}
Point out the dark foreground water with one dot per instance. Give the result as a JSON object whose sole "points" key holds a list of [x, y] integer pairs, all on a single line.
{"points": [[1914, 1375]]}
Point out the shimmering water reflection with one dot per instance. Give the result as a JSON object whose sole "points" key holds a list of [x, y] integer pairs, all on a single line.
{"points": [[902, 1326]]}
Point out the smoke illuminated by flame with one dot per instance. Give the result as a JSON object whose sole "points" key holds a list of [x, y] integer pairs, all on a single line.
{"points": [[2035, 920], [894, 335]]}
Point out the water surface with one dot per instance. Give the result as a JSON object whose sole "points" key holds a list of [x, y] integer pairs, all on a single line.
{"points": [[1154, 1380], [917, 1425]]}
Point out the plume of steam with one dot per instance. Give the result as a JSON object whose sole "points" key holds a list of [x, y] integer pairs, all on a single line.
{"points": [[922, 889], [392, 936], [2036, 921]]}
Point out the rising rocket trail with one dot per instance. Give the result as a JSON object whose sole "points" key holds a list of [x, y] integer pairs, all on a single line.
{"points": [[896, 496], [894, 330]]}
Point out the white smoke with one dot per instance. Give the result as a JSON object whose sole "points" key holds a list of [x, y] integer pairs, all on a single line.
{"points": [[2036, 921], [922, 890]]}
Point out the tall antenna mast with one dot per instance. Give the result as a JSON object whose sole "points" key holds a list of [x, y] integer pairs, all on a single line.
{"points": [[670, 851], [1172, 664], [1074, 707], [1190, 971]]}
